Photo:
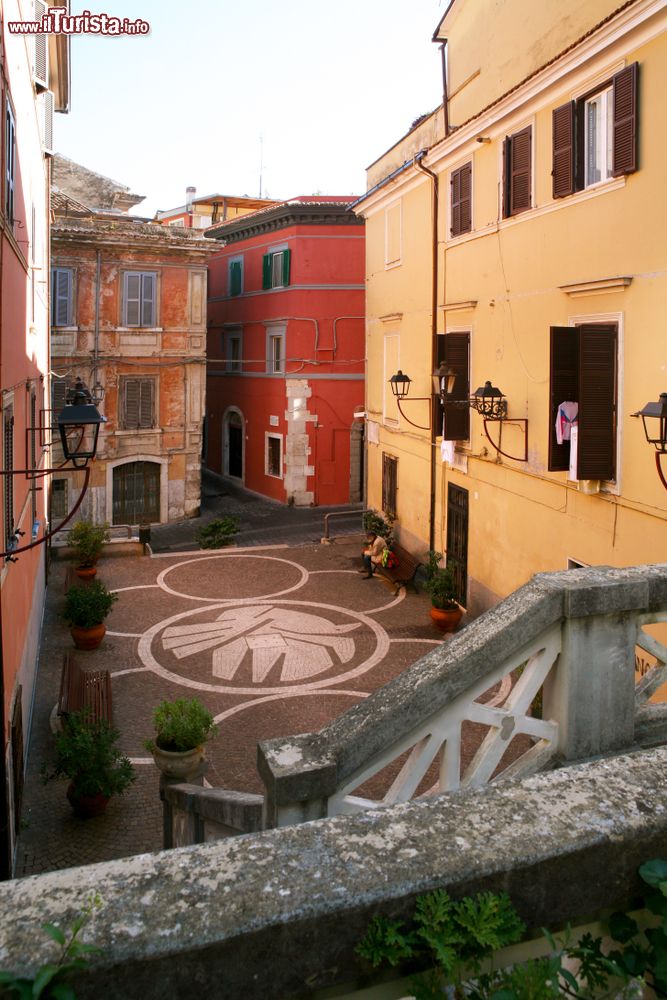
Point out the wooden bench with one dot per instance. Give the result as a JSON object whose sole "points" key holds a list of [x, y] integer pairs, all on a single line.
{"points": [[404, 574], [84, 690]]}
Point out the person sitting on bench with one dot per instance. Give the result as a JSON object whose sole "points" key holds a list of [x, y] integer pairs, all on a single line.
{"points": [[372, 553]]}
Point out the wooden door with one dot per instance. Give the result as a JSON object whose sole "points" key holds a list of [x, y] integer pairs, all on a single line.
{"points": [[136, 493], [457, 539]]}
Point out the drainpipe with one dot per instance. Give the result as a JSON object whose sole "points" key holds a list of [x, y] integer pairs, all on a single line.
{"points": [[434, 331], [445, 96], [96, 345]]}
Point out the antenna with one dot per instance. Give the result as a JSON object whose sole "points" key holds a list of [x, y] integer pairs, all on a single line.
{"points": [[261, 162]]}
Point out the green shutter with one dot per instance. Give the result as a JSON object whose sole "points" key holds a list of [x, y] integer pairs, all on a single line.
{"points": [[235, 277], [286, 263], [266, 270]]}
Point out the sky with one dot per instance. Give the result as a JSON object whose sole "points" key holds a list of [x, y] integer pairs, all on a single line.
{"points": [[311, 91]]}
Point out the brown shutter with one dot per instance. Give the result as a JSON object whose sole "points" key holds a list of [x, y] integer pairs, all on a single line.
{"points": [[596, 458], [507, 157], [520, 173], [563, 150], [457, 356], [456, 203], [146, 403], [625, 99], [131, 403], [563, 386], [461, 200]]}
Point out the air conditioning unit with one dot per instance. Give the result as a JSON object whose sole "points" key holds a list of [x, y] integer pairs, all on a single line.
{"points": [[40, 66], [589, 486], [45, 113]]}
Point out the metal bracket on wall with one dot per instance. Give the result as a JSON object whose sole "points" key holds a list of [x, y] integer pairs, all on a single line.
{"points": [[415, 399], [510, 420]]}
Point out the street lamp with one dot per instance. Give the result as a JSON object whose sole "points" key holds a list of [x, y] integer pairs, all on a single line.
{"points": [[489, 402], [79, 425], [656, 412]]}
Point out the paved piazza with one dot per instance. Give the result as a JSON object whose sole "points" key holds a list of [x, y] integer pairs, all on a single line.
{"points": [[274, 641]]}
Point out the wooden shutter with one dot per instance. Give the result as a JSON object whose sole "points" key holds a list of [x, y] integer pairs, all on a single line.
{"points": [[266, 270], [562, 173], [8, 466], [235, 277], [131, 403], [596, 456], [132, 299], [10, 154], [389, 484], [507, 156], [286, 266], [563, 386], [461, 184], [148, 299], [625, 104], [457, 356], [146, 390], [61, 291], [520, 171]]}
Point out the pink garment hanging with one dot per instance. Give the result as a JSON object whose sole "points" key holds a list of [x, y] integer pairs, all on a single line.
{"points": [[566, 416]]}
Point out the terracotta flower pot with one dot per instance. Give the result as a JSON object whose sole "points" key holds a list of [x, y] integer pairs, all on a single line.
{"points": [[86, 806], [88, 638], [179, 765], [446, 619], [85, 572]]}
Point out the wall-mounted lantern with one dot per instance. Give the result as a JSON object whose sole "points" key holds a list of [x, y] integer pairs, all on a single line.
{"points": [[656, 431]]}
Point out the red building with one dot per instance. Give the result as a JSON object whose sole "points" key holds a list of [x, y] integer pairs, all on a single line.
{"points": [[285, 373]]}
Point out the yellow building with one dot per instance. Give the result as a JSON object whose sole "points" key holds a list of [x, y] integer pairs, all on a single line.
{"points": [[519, 234]]}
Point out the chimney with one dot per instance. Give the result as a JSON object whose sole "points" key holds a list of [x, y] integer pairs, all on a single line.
{"points": [[190, 193]]}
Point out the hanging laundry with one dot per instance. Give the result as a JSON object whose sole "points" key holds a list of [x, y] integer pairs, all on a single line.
{"points": [[447, 451], [566, 416]]}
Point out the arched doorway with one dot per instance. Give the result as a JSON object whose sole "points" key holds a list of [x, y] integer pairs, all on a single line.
{"points": [[136, 493], [233, 444]]}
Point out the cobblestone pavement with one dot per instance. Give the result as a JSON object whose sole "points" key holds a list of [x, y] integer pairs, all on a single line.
{"points": [[275, 641]]}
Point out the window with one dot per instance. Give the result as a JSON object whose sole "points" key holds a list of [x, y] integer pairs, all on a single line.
{"points": [[59, 387], [454, 350], [461, 201], [10, 162], [8, 480], [595, 137], [139, 298], [584, 371], [58, 501], [389, 484], [234, 362], [274, 455], [517, 172], [276, 269], [235, 276], [275, 353], [62, 287], [137, 401]]}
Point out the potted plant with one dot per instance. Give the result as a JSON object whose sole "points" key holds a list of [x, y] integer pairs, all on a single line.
{"points": [[87, 754], [181, 727], [445, 610], [85, 611], [87, 540]]}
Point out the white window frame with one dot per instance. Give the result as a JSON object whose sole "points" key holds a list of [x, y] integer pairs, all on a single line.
{"points": [[269, 436], [122, 401], [54, 296], [235, 260], [142, 275], [604, 146], [273, 253], [275, 335]]}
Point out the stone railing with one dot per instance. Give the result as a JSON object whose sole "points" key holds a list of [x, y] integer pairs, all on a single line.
{"points": [[278, 914], [575, 635]]}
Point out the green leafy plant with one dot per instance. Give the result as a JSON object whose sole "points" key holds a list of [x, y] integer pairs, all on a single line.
{"points": [[181, 725], [457, 939], [50, 981], [376, 523], [87, 754], [440, 584], [87, 540], [88, 606], [218, 533]]}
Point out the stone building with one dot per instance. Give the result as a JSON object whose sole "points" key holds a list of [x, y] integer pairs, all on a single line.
{"points": [[129, 316]]}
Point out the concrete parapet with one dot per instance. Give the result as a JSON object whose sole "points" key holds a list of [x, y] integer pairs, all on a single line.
{"points": [[279, 914]]}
